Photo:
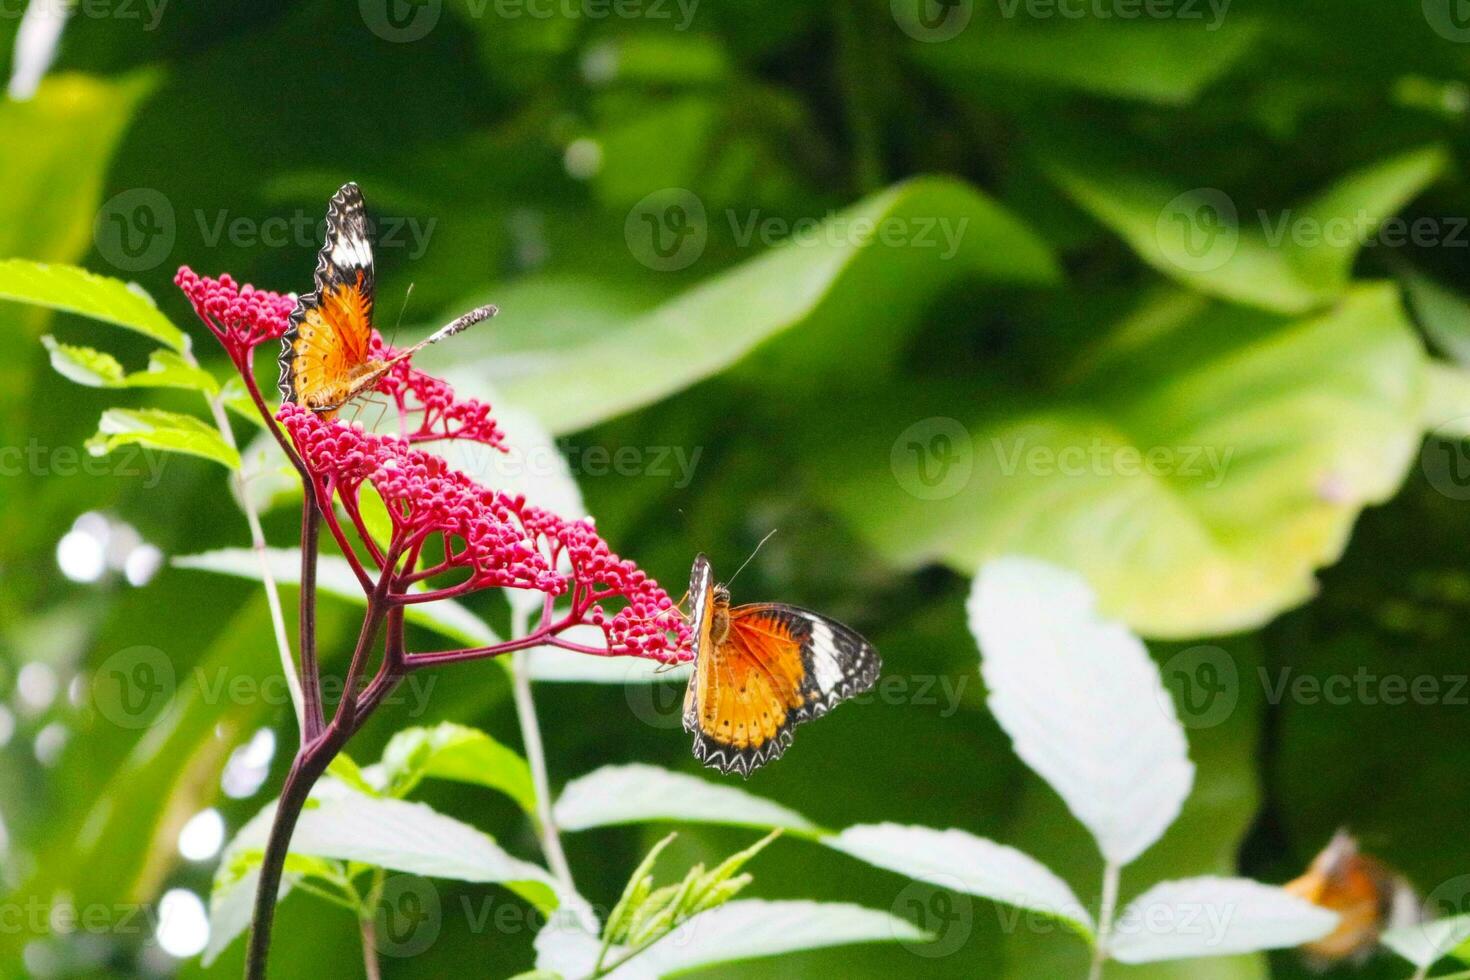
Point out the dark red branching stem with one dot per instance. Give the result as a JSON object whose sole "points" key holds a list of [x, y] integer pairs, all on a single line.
{"points": [[491, 539]]}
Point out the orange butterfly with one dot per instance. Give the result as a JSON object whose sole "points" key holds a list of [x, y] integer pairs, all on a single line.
{"points": [[326, 356], [1368, 896], [762, 669]]}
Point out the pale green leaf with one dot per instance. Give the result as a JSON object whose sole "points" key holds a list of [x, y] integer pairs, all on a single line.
{"points": [[75, 290], [1197, 475], [1289, 262], [158, 429], [745, 929], [335, 578], [84, 365], [824, 292], [640, 793], [459, 753]]}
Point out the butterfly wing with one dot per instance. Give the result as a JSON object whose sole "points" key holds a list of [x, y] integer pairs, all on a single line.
{"points": [[779, 666], [329, 342]]}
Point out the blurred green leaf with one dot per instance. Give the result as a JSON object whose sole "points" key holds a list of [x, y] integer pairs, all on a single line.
{"points": [[458, 753], [383, 833], [1197, 475], [741, 930], [1289, 263], [335, 578], [955, 859], [158, 429], [73, 290], [1443, 314], [68, 132], [1164, 62], [98, 369], [84, 365], [639, 793], [827, 292]]}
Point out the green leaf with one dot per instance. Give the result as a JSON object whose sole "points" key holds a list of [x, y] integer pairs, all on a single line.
{"points": [[75, 290], [157, 429], [98, 369], [1443, 314], [459, 753], [1288, 263], [1197, 473], [167, 369], [84, 365], [825, 293], [639, 793], [68, 131], [351, 773], [1168, 63], [955, 859], [385, 833], [335, 578], [746, 929], [1426, 943], [636, 892]]}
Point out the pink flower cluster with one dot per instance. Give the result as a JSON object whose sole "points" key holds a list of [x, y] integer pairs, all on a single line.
{"points": [[439, 413], [242, 317], [499, 540]]}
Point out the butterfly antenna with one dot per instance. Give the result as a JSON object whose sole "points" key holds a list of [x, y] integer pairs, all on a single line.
{"points": [[451, 328], [752, 556], [401, 310]]}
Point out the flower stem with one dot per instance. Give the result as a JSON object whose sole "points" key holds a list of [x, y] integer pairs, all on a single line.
{"points": [[310, 763], [1111, 875], [258, 545], [311, 527], [546, 832]]}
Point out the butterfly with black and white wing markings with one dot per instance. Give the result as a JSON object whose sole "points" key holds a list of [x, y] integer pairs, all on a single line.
{"points": [[762, 669]]}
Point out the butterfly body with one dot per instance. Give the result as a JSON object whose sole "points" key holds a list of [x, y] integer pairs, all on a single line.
{"points": [[327, 356], [760, 670]]}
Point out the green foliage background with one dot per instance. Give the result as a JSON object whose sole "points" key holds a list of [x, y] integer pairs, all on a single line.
{"points": [[1063, 317]]}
